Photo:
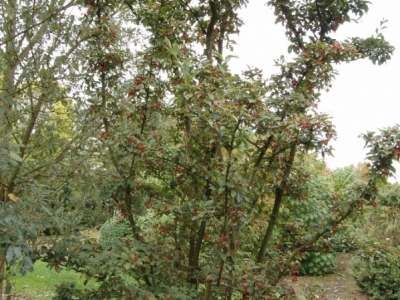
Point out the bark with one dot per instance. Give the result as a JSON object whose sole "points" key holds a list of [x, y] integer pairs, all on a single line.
{"points": [[207, 293], [25, 140], [6, 95], [277, 205], [2, 269], [7, 90], [259, 160], [197, 240]]}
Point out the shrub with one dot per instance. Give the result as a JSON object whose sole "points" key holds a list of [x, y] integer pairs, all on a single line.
{"points": [[376, 271], [318, 263], [113, 230], [66, 291]]}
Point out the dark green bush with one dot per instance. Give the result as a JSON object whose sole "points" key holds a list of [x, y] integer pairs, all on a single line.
{"points": [[66, 291], [318, 263], [113, 230], [377, 272]]}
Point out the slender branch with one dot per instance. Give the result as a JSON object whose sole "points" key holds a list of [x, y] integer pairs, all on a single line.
{"points": [[285, 11], [323, 25], [224, 229], [260, 158], [29, 28], [28, 133], [196, 16], [210, 28]]}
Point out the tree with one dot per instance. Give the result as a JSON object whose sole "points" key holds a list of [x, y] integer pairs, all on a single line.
{"points": [[37, 43], [204, 157]]}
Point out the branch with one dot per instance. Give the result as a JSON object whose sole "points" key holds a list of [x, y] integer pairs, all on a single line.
{"points": [[260, 158], [292, 27], [38, 24], [210, 28], [27, 136], [196, 16]]}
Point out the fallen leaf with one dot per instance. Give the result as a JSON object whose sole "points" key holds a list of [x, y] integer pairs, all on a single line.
{"points": [[13, 197]]}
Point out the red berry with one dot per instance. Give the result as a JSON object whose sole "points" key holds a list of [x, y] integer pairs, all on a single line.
{"points": [[138, 80], [385, 172], [132, 92], [141, 147]]}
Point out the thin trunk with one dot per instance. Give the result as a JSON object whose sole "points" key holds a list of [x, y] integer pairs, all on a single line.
{"points": [[259, 160], [210, 29], [2, 269], [277, 205], [7, 92], [196, 242], [195, 248], [207, 293], [25, 140]]}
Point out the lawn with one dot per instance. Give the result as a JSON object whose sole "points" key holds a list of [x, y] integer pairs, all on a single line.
{"points": [[40, 284]]}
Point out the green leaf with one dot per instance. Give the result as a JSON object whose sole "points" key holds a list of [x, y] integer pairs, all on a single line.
{"points": [[8, 288], [17, 252], [75, 65], [15, 157], [127, 266], [223, 256], [10, 254]]}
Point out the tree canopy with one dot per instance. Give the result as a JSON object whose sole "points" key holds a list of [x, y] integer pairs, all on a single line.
{"points": [[131, 106]]}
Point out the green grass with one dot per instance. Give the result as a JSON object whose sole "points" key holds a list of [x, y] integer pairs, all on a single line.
{"points": [[40, 284]]}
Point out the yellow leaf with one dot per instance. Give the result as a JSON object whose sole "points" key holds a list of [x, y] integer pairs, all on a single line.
{"points": [[13, 197]]}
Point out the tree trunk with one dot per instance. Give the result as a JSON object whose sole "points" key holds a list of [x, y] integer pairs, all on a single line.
{"points": [[277, 205], [2, 269], [6, 94]]}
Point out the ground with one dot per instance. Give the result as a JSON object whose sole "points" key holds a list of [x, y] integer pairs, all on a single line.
{"points": [[337, 286]]}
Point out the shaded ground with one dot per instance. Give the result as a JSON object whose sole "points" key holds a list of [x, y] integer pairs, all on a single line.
{"points": [[14, 297], [337, 286]]}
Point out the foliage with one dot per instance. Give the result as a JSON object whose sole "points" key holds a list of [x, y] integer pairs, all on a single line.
{"points": [[319, 191], [37, 122], [376, 271], [316, 263], [390, 195], [202, 163], [112, 230], [382, 221], [67, 291]]}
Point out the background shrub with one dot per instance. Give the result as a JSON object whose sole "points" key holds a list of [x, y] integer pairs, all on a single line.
{"points": [[113, 230], [318, 263], [376, 271]]}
